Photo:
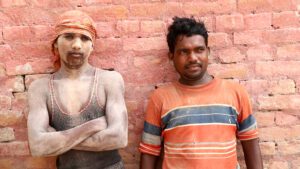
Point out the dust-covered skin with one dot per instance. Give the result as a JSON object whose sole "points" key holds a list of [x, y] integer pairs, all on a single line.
{"points": [[72, 83]]}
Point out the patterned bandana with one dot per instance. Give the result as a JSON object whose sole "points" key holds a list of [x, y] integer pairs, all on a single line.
{"points": [[73, 22]]}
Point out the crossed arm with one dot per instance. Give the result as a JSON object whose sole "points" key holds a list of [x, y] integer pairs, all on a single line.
{"points": [[95, 135], [43, 142], [115, 136]]}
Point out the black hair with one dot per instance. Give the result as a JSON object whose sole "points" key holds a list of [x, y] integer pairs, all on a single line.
{"points": [[187, 27]]}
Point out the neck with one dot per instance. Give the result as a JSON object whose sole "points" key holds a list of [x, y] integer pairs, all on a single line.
{"points": [[65, 72], [192, 82]]}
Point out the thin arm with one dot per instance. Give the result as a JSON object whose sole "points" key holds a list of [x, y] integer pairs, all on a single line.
{"points": [[115, 136], [252, 154], [45, 142], [148, 161]]}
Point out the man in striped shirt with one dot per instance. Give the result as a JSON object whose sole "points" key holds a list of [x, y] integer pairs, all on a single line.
{"points": [[199, 118]]}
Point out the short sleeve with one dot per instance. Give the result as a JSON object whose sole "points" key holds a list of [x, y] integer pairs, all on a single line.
{"points": [[247, 126], [151, 137]]}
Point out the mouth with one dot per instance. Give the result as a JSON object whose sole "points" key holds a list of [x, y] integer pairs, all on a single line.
{"points": [[75, 54], [193, 67]]}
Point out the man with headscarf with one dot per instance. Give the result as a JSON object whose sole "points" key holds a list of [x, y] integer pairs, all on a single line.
{"points": [[77, 113]]}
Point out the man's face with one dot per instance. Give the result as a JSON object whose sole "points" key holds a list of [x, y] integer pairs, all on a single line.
{"points": [[74, 49], [190, 58]]}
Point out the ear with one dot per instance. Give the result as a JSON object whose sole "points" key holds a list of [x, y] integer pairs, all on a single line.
{"points": [[171, 55], [55, 45]]}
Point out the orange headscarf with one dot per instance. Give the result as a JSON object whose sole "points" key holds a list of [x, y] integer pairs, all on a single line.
{"points": [[73, 22]]}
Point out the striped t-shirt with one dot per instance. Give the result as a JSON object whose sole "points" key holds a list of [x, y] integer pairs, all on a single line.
{"points": [[198, 125]]}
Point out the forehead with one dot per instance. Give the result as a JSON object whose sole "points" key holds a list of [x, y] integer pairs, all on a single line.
{"points": [[183, 41]]}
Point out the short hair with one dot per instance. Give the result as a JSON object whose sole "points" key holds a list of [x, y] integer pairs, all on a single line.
{"points": [[185, 26]]}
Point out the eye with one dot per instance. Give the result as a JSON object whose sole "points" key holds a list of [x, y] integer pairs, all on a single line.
{"points": [[85, 38], [199, 49], [68, 36], [183, 52]]}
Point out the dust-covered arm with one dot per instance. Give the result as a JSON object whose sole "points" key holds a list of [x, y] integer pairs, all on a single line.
{"points": [[45, 142], [116, 134]]}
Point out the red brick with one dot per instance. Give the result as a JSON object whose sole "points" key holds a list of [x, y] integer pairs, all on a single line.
{"points": [[263, 87], [267, 148], [149, 61], [149, 10], [16, 148], [109, 12], [5, 20], [95, 2], [5, 52], [12, 84], [286, 119], [17, 33], [20, 103], [274, 134], [231, 55], [30, 78], [296, 163], [31, 16], [174, 9], [8, 117], [28, 33], [128, 26], [289, 52], [144, 44], [277, 68], [256, 87], [42, 33], [279, 102], [265, 119], [137, 92], [258, 21], [219, 40], [12, 3], [7, 134], [282, 35], [57, 3], [5, 102], [286, 86], [295, 132], [287, 5], [225, 23], [298, 84], [33, 67], [2, 70], [108, 44], [18, 85], [262, 52], [292, 148], [209, 23], [204, 8], [279, 165], [285, 19], [248, 37], [32, 50], [239, 71], [153, 27], [106, 29], [247, 6]]}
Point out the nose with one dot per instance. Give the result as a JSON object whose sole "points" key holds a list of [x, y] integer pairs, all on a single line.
{"points": [[77, 44], [192, 57]]}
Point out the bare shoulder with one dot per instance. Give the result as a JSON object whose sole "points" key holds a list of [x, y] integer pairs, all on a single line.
{"points": [[39, 86], [109, 77]]}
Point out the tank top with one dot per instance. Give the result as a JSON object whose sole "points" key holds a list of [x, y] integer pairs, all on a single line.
{"points": [[60, 120]]}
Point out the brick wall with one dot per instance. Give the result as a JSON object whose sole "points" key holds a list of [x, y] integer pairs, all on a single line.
{"points": [[254, 42]]}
